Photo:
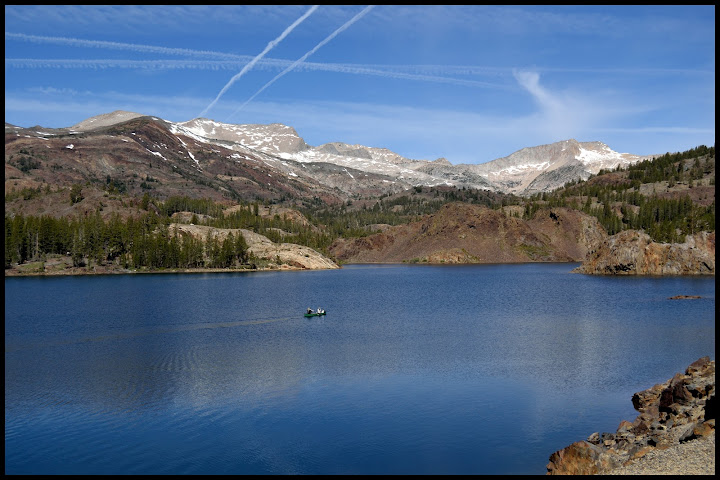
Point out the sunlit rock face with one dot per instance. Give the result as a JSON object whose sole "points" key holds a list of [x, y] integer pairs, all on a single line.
{"points": [[633, 253]]}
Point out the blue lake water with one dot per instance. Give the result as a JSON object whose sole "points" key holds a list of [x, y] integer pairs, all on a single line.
{"points": [[482, 369]]}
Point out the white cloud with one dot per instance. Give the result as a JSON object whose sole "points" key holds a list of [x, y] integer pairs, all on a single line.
{"points": [[564, 115]]}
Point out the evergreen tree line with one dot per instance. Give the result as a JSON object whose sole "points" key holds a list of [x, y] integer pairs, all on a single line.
{"points": [[131, 243], [671, 166]]}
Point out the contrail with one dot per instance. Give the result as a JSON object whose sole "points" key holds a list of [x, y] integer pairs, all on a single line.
{"points": [[301, 59], [252, 62], [232, 61], [77, 42], [264, 64]]}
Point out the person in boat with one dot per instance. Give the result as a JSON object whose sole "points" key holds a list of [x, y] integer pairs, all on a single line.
{"points": [[309, 310], [319, 310]]}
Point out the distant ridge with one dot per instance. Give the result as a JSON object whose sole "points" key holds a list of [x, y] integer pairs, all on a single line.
{"points": [[358, 169]]}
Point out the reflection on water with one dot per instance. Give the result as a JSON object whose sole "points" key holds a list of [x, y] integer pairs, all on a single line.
{"points": [[415, 369]]}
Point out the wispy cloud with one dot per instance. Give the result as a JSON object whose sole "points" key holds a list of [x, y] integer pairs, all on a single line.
{"points": [[663, 87], [408, 72], [511, 20], [228, 61], [562, 116]]}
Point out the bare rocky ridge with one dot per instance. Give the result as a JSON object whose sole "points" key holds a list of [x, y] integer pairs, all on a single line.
{"points": [[672, 414], [141, 156], [462, 233], [104, 120], [633, 253], [528, 171]]}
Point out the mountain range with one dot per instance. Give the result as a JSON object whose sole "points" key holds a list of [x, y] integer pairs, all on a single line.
{"points": [[273, 160], [207, 179]]}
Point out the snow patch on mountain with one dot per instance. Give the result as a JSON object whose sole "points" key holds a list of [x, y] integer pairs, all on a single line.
{"points": [[520, 169], [601, 156]]}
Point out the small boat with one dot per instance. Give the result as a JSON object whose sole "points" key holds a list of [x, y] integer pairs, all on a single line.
{"points": [[315, 314]]}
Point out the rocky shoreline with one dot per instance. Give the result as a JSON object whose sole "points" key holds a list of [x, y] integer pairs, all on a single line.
{"points": [[674, 432]]}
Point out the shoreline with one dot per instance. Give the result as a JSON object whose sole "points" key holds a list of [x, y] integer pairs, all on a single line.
{"points": [[81, 271], [62, 268], [62, 265]]}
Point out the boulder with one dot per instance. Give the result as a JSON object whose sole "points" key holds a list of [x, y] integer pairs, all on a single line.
{"points": [[580, 458]]}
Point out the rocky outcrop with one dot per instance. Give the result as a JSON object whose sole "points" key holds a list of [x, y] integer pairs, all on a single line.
{"points": [[632, 252], [282, 255], [290, 255], [671, 413]]}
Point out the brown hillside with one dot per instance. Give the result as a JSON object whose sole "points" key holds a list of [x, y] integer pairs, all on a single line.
{"points": [[128, 160], [464, 233]]}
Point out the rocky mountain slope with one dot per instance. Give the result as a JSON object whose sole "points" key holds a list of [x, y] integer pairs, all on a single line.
{"points": [[272, 161], [530, 170], [139, 156], [547, 167]]}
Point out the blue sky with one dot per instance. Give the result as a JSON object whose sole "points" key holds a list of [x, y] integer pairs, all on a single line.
{"points": [[468, 83]]}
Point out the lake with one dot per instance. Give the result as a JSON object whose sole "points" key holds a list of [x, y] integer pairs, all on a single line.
{"points": [[415, 369]]}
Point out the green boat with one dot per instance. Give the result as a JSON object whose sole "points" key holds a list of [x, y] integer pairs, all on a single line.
{"points": [[315, 314]]}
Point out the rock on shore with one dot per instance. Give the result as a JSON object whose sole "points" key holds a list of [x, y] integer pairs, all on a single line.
{"points": [[671, 414], [632, 252]]}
